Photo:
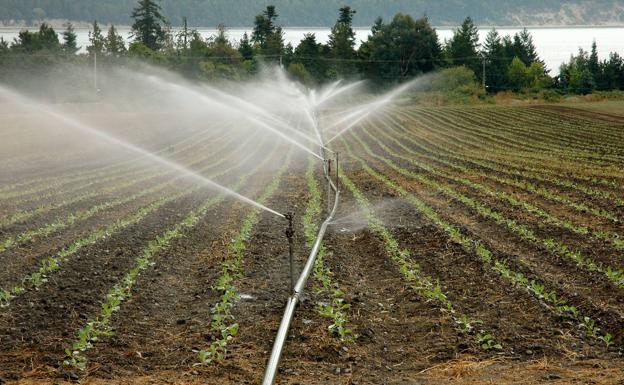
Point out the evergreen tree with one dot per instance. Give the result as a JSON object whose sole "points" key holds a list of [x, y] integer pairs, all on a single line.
{"points": [[245, 48], [462, 49], [44, 39], [310, 54], [4, 46], [612, 72], [377, 26], [575, 76], [264, 27], [96, 40], [342, 44], [268, 38], [149, 24], [183, 36], [496, 63], [114, 43], [70, 40], [48, 37], [524, 48], [226, 61], [592, 64], [401, 49]]}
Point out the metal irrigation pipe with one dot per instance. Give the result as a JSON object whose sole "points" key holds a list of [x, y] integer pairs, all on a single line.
{"points": [[291, 304]]}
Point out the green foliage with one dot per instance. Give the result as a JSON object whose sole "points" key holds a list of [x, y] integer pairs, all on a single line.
{"points": [[486, 341], [122, 290], [337, 309], [607, 339], [70, 40], [222, 319], [114, 43], [312, 55], [267, 36], [532, 78], [342, 45], [45, 39], [456, 80], [402, 49], [299, 73], [576, 76], [148, 27], [411, 272], [51, 264], [96, 40], [558, 304], [245, 48], [463, 48], [394, 52]]}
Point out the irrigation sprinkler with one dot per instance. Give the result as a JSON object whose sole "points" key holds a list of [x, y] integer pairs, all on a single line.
{"points": [[290, 232], [337, 175], [329, 187], [299, 286]]}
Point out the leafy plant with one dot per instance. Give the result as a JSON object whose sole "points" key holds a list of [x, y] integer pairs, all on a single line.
{"points": [[607, 339], [590, 326], [486, 341]]}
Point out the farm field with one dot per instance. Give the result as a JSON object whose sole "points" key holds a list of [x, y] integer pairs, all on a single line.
{"points": [[472, 245], [612, 107]]}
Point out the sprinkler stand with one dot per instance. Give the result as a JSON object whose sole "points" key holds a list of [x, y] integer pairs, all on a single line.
{"points": [[329, 188], [337, 175], [290, 232]]}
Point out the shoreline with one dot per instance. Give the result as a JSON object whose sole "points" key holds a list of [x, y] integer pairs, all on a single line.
{"points": [[82, 25]]}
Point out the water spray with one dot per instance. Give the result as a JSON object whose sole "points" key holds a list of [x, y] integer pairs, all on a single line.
{"points": [[136, 149]]}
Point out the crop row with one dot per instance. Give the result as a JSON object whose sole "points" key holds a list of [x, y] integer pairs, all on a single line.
{"points": [[337, 307], [26, 214], [104, 174], [557, 303], [530, 157], [102, 171], [412, 273], [223, 322], [442, 150], [613, 238], [71, 219], [548, 131], [511, 133], [49, 192], [53, 263], [525, 233], [468, 143], [100, 325], [612, 131]]}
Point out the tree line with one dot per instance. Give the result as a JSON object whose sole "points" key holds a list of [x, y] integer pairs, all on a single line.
{"points": [[395, 51]]}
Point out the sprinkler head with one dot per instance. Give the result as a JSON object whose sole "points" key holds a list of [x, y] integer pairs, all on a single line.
{"points": [[290, 231]]}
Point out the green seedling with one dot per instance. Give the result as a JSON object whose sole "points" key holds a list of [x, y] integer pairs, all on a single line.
{"points": [[486, 341]]}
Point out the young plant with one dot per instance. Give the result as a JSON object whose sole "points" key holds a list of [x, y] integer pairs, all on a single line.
{"points": [[486, 341]]}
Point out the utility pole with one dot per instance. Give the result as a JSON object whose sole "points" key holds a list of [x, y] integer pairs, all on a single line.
{"points": [[185, 32], [95, 79], [483, 76]]}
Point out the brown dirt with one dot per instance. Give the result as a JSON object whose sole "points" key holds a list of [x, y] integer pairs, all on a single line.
{"points": [[400, 337]]}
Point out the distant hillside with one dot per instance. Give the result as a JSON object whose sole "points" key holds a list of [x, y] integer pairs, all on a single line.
{"points": [[323, 12]]}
